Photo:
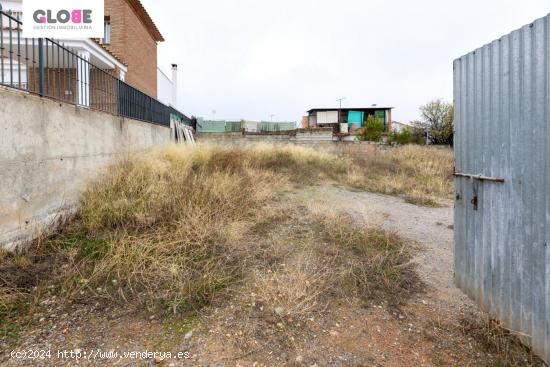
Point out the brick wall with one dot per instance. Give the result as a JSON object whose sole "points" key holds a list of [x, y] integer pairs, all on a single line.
{"points": [[58, 83], [103, 92], [134, 45]]}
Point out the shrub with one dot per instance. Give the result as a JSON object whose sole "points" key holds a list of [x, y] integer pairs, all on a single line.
{"points": [[401, 137], [413, 134], [418, 133], [372, 131]]}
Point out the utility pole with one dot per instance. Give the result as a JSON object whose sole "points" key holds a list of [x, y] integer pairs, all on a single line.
{"points": [[213, 115], [271, 116], [340, 109]]}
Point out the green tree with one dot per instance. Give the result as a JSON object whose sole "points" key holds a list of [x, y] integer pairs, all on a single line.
{"points": [[418, 132], [373, 129], [401, 137], [437, 121]]}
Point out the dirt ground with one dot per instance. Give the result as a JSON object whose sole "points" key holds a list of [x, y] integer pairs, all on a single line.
{"points": [[427, 331]]}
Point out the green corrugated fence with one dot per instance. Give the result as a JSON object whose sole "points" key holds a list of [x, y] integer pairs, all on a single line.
{"points": [[182, 119], [211, 126], [208, 126], [233, 126], [277, 126]]}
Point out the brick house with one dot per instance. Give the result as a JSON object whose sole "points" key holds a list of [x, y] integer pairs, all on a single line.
{"points": [[132, 36], [128, 50]]}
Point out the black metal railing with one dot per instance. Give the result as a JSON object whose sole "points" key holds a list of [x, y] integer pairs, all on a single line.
{"points": [[51, 69]]}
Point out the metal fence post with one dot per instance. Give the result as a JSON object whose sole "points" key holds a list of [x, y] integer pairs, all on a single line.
{"points": [[152, 118], [41, 65]]}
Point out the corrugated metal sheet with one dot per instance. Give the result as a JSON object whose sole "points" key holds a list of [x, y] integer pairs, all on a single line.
{"points": [[277, 126], [236, 126], [180, 118], [211, 126], [502, 118], [233, 126], [327, 117]]}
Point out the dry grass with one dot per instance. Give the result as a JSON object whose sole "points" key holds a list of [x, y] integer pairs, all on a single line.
{"points": [[169, 223], [506, 348], [164, 228], [21, 283], [297, 289], [373, 264], [311, 262], [337, 260], [421, 174]]}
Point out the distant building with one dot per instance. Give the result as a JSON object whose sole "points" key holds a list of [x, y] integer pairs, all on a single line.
{"points": [[168, 87], [305, 122], [348, 120], [398, 126]]}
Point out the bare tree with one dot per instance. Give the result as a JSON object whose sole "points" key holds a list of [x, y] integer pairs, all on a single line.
{"points": [[437, 120]]}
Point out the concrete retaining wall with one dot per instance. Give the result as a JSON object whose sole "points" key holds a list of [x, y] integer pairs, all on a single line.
{"points": [[319, 140], [49, 150]]}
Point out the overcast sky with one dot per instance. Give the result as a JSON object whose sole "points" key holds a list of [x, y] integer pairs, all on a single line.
{"points": [[253, 58]]}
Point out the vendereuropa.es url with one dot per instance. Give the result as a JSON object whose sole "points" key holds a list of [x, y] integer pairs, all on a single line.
{"points": [[94, 354]]}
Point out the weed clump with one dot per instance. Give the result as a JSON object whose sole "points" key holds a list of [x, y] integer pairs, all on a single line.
{"points": [[337, 260], [163, 228], [505, 346], [374, 264], [421, 174]]}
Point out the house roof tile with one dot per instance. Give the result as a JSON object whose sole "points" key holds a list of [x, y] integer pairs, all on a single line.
{"points": [[146, 19]]}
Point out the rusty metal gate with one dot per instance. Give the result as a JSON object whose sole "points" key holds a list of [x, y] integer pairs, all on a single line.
{"points": [[502, 180]]}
